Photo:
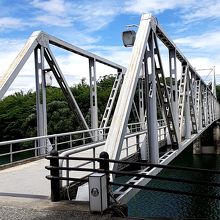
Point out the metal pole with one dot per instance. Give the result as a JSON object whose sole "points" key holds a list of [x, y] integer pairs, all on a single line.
{"points": [[174, 90], [93, 97], [187, 111], [151, 102], [40, 98], [44, 101], [55, 183], [105, 166]]}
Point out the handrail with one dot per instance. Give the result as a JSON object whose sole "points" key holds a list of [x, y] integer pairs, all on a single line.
{"points": [[57, 135], [69, 143], [104, 168], [90, 146]]}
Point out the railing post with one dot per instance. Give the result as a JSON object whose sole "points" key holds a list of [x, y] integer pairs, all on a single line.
{"points": [[55, 182], [104, 165], [11, 155]]}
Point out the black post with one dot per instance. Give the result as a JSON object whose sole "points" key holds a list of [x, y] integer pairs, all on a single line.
{"points": [[104, 164], [55, 183]]}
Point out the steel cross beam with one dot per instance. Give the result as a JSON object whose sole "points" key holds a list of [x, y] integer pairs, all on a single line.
{"points": [[39, 43]]}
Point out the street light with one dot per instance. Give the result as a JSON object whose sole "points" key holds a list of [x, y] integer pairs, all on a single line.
{"points": [[129, 36]]}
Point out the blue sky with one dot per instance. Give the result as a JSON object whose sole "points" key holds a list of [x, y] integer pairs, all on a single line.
{"points": [[96, 25]]}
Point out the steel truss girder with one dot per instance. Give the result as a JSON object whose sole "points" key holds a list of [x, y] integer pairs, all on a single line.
{"points": [[63, 85], [115, 89], [186, 101], [202, 105], [42, 40], [186, 90], [191, 105], [198, 101], [164, 98]]}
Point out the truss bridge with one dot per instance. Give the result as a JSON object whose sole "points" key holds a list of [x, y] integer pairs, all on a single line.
{"points": [[157, 108]]}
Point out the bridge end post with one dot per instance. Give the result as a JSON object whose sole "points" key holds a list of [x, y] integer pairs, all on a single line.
{"points": [[55, 182], [105, 166]]}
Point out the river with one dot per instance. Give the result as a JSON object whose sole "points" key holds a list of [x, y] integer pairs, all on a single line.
{"points": [[158, 204]]}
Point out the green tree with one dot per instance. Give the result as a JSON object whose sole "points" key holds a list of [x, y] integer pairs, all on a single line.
{"points": [[218, 92]]}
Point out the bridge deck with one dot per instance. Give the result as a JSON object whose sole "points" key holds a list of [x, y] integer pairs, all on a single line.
{"points": [[26, 180]]}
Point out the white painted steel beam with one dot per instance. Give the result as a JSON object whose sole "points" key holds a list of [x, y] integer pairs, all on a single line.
{"points": [[151, 98], [63, 84], [40, 98], [69, 47], [93, 95], [111, 100], [120, 118], [13, 70], [174, 90]]}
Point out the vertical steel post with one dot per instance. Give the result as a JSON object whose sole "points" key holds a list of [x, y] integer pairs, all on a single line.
{"points": [[40, 98], [174, 90], [141, 97], [11, 154], [93, 97], [206, 105], [187, 111], [151, 96], [198, 103]]}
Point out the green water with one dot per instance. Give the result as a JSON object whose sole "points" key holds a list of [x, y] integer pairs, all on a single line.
{"points": [[158, 204]]}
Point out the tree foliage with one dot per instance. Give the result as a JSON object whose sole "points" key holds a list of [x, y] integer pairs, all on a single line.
{"points": [[218, 92], [18, 117]]}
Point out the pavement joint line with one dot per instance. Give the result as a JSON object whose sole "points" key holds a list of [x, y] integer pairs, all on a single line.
{"points": [[24, 195]]}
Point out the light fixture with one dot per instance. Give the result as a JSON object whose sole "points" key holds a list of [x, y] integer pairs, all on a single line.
{"points": [[129, 36]]}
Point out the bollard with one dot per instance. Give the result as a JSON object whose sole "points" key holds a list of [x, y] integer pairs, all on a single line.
{"points": [[104, 165], [55, 183]]}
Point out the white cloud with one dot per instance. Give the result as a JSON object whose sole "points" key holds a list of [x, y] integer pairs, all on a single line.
{"points": [[202, 10], [9, 51], [202, 51], [96, 14], [53, 20], [188, 10], [156, 6], [207, 41], [52, 12], [51, 6], [92, 14], [10, 23]]}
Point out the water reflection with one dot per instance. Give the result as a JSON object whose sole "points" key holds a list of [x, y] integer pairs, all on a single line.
{"points": [[157, 204]]}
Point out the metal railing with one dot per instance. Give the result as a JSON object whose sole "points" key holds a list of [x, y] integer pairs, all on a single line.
{"points": [[11, 151], [132, 143], [104, 168], [21, 149]]}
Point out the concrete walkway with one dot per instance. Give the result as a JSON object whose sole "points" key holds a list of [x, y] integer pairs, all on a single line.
{"points": [[26, 180]]}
